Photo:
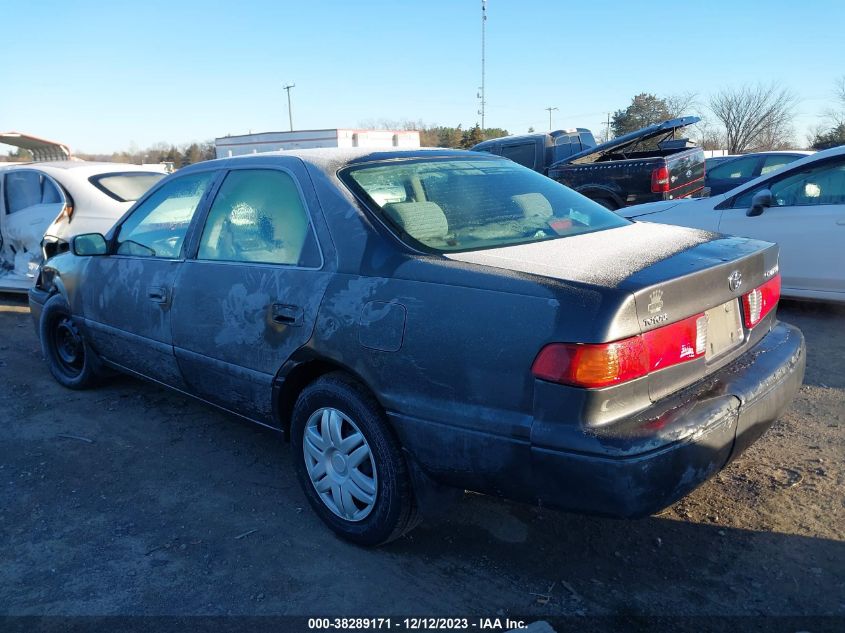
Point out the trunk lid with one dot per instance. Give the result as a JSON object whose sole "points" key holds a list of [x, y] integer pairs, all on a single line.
{"points": [[672, 274], [603, 258]]}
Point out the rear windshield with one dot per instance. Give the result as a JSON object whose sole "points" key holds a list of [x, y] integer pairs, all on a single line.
{"points": [[126, 186], [469, 204]]}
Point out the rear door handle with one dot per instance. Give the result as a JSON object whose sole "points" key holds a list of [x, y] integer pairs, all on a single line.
{"points": [[287, 314], [157, 294]]}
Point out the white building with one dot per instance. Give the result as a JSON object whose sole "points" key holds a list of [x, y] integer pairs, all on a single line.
{"points": [[227, 146]]}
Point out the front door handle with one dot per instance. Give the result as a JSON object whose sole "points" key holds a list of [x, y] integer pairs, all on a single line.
{"points": [[287, 314], [157, 294]]}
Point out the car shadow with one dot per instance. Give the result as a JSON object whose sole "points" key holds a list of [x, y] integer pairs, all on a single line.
{"points": [[564, 564]]}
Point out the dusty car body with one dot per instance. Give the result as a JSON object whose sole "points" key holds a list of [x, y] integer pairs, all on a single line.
{"points": [[433, 320], [44, 204]]}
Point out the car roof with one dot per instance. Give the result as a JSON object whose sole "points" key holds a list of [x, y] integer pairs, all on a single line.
{"points": [[82, 168], [777, 152], [331, 159]]}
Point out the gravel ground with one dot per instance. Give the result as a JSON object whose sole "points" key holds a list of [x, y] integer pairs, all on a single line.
{"points": [[130, 499]]}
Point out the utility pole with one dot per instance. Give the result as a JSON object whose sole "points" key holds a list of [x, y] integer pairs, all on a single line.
{"points": [[290, 112], [481, 95], [607, 132], [550, 110]]}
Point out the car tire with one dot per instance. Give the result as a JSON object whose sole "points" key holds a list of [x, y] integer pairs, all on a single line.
{"points": [[607, 203], [69, 356], [338, 471]]}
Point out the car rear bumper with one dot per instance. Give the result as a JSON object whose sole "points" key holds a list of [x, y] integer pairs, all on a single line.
{"points": [[634, 467], [657, 458]]}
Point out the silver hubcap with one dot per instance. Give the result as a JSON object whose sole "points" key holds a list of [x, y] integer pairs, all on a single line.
{"points": [[340, 464]]}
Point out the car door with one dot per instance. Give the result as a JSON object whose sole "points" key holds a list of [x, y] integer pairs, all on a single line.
{"points": [[806, 219], [249, 296], [32, 200], [127, 296]]}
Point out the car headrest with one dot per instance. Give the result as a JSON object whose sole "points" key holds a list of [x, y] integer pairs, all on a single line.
{"points": [[421, 220], [533, 205]]}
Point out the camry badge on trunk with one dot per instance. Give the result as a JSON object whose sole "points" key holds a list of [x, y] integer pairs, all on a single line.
{"points": [[735, 280]]}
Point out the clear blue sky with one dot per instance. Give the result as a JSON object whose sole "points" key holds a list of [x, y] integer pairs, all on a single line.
{"points": [[103, 75]]}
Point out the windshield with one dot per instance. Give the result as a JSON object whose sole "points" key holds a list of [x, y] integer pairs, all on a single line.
{"points": [[126, 186], [467, 203]]}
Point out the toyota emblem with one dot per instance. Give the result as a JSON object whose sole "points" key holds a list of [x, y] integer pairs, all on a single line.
{"points": [[735, 280]]}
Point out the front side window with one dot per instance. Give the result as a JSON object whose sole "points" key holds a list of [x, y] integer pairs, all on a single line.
{"points": [[468, 204], [258, 216], [157, 227], [814, 185]]}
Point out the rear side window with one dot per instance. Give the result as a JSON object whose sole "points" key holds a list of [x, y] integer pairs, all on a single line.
{"points": [[258, 216], [734, 169], [157, 227], [50, 193], [28, 188], [125, 186], [468, 204], [522, 154]]}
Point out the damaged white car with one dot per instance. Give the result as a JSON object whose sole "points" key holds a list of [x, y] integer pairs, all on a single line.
{"points": [[45, 203]]}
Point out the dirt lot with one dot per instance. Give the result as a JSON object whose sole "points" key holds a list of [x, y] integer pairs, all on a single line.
{"points": [[130, 499]]}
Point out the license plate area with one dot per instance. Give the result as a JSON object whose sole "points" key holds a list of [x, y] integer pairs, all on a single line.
{"points": [[724, 329]]}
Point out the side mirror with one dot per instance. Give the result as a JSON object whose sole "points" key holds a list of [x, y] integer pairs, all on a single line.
{"points": [[761, 201], [89, 244]]}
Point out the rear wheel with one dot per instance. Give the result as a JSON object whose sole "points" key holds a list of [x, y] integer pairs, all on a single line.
{"points": [[607, 203], [348, 462], [69, 357]]}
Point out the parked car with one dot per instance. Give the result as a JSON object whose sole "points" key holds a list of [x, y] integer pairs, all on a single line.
{"points": [[42, 205], [646, 165], [539, 151], [800, 206], [423, 321], [723, 173], [643, 166]]}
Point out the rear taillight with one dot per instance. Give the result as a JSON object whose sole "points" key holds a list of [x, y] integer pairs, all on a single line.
{"points": [[605, 364], [760, 301], [660, 180]]}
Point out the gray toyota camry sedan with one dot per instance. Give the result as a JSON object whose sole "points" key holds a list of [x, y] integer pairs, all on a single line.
{"points": [[421, 322]]}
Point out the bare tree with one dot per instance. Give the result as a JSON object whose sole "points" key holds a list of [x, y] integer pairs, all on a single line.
{"points": [[707, 134], [837, 113], [682, 104], [754, 117]]}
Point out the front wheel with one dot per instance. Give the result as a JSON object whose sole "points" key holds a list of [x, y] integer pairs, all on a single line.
{"points": [[69, 357], [348, 462]]}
